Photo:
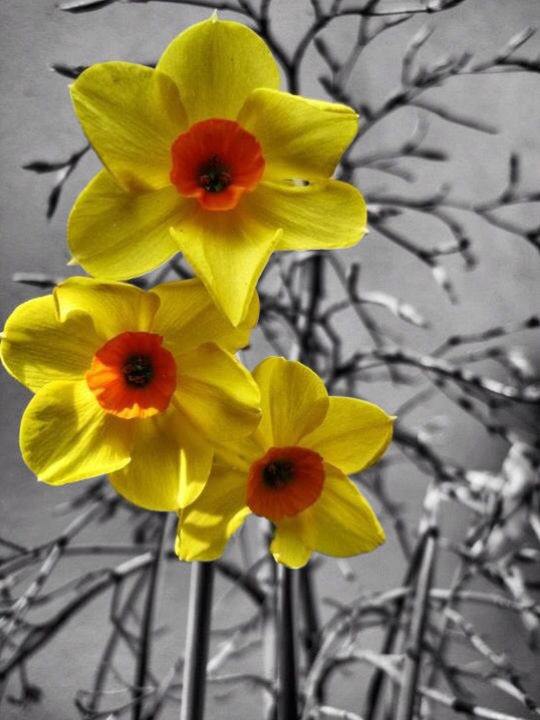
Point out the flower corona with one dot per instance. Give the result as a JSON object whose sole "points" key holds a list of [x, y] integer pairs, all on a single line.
{"points": [[132, 375], [216, 161], [284, 481]]}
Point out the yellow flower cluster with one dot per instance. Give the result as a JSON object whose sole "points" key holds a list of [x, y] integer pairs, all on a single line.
{"points": [[202, 154]]}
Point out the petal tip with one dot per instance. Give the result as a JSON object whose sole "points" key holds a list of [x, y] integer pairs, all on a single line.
{"points": [[293, 565]]}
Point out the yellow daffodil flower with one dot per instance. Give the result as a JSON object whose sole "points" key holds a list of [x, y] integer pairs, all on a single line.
{"points": [[129, 383], [292, 471], [205, 155]]}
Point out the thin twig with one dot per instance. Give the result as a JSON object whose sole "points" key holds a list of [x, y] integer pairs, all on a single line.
{"points": [[407, 697]]}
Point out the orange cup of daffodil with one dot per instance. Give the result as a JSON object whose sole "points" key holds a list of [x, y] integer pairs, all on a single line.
{"points": [[293, 471], [135, 384], [204, 154]]}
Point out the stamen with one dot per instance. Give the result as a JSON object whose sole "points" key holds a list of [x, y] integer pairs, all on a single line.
{"points": [[214, 175], [137, 370], [278, 473]]}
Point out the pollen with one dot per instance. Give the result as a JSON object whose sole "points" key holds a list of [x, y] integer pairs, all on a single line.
{"points": [[216, 161], [132, 375], [284, 482]]}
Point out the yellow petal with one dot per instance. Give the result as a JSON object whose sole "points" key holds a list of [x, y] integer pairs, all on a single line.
{"points": [[293, 400], [114, 307], [37, 349], [341, 522], [303, 213], [131, 114], [215, 65], [288, 546], [66, 436], [152, 478], [299, 137], [188, 317], [196, 455], [116, 234], [162, 456], [227, 251], [205, 526], [217, 393], [242, 452], [353, 435]]}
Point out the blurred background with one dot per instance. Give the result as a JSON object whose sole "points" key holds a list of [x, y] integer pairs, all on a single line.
{"points": [[502, 289]]}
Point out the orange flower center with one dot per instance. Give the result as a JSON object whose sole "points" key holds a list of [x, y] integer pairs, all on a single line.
{"points": [[132, 375], [284, 481], [216, 161]]}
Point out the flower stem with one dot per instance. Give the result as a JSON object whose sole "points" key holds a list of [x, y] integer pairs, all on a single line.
{"points": [[374, 692], [309, 613], [269, 632], [143, 656], [197, 641], [288, 692], [313, 295]]}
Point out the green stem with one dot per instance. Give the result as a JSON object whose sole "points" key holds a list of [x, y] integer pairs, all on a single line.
{"points": [[288, 691], [197, 641]]}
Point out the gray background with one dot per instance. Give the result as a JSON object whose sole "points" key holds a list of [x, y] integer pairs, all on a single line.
{"points": [[37, 123]]}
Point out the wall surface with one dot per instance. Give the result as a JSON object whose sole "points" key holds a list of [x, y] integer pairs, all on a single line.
{"points": [[37, 122]]}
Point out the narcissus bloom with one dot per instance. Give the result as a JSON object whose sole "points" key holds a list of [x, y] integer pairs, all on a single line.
{"points": [[293, 471], [129, 383], [205, 155]]}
